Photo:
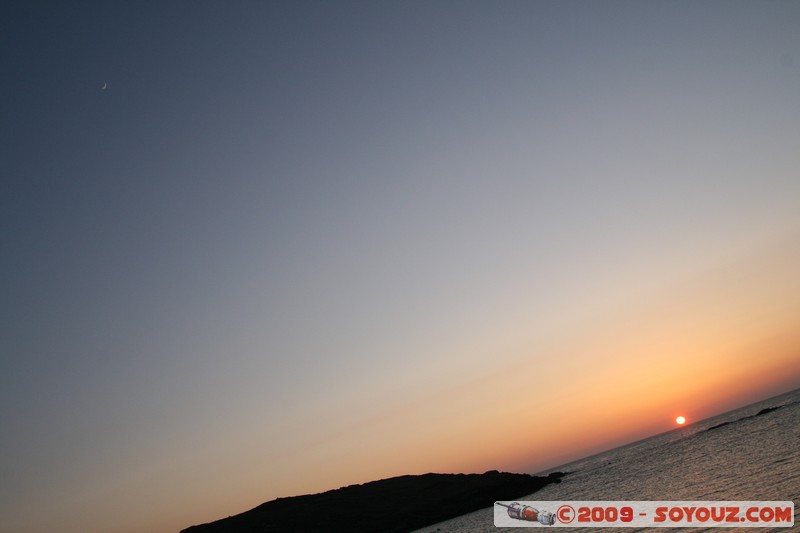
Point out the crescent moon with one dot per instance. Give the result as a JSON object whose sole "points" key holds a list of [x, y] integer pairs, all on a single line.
{"points": [[103, 88]]}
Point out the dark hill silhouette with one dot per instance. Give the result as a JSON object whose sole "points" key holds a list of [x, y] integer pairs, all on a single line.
{"points": [[390, 505]]}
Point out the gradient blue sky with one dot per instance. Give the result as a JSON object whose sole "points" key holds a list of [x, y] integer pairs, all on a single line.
{"points": [[297, 245]]}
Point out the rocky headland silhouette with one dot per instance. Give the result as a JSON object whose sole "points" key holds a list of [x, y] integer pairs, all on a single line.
{"points": [[396, 504], [762, 412]]}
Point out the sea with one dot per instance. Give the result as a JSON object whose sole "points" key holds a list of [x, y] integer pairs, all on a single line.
{"points": [[747, 457]]}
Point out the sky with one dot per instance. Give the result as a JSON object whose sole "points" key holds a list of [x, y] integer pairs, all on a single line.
{"points": [[259, 249]]}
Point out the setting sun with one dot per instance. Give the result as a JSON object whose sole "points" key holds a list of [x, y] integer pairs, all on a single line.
{"points": [[680, 420]]}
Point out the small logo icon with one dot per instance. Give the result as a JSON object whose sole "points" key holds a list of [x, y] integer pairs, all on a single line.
{"points": [[565, 514], [528, 513]]}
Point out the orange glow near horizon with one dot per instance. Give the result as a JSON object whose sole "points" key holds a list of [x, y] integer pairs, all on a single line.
{"points": [[511, 400]]}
